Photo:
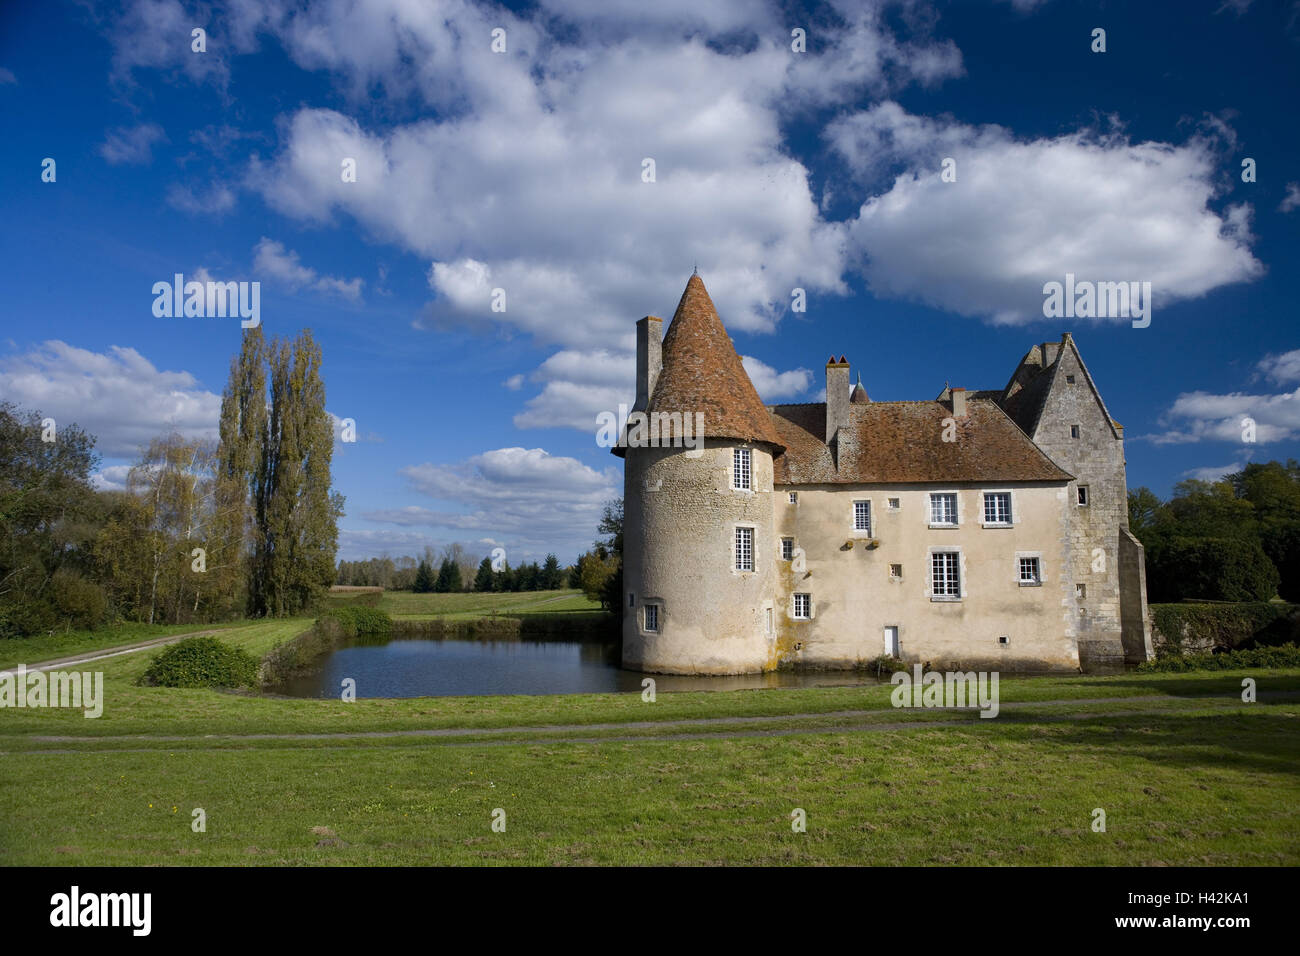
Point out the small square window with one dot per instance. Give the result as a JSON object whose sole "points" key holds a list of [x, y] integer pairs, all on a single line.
{"points": [[1069, 380], [1082, 495], [1004, 639], [1081, 591], [787, 549], [794, 497], [1074, 431], [896, 571], [652, 617], [1029, 571], [894, 504], [802, 607]]}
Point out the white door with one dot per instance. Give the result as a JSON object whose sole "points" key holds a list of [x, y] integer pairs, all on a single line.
{"points": [[891, 640]]}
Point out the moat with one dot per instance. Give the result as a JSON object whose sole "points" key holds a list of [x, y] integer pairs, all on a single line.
{"points": [[449, 667]]}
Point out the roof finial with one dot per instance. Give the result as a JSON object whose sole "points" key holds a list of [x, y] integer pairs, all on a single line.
{"points": [[696, 270]]}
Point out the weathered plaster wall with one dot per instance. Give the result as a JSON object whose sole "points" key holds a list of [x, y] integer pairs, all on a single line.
{"points": [[854, 597]]}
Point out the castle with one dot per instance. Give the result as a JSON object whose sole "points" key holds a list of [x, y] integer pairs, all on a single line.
{"points": [[981, 529]]}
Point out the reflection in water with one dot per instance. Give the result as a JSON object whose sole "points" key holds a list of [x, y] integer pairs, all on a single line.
{"points": [[442, 668]]}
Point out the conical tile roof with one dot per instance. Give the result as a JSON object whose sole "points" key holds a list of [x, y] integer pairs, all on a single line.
{"points": [[702, 373]]}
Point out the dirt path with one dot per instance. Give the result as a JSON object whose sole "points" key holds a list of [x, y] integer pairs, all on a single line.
{"points": [[118, 651], [535, 733]]}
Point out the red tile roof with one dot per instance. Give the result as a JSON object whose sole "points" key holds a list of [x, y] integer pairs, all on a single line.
{"points": [[895, 442], [702, 373]]}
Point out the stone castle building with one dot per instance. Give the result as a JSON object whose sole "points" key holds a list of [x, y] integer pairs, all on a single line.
{"points": [[978, 530]]}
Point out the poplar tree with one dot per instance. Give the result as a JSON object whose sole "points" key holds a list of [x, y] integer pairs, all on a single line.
{"points": [[297, 513], [275, 473], [242, 433]]}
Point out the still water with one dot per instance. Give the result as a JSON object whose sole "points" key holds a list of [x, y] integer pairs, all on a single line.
{"points": [[446, 667]]}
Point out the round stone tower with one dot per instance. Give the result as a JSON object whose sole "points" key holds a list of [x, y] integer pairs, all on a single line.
{"points": [[699, 548]]}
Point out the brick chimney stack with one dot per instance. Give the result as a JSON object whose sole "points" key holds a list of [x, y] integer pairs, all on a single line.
{"points": [[959, 403]]}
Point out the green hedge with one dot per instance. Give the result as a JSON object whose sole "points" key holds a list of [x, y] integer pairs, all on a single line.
{"points": [[357, 620], [1227, 626], [201, 662], [1288, 655]]}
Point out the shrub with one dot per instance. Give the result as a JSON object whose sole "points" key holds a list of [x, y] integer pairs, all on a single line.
{"points": [[201, 662], [80, 603], [26, 616], [1226, 626], [356, 620], [1288, 655]]}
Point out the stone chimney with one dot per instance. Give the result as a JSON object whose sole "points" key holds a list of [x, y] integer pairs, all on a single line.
{"points": [[649, 359], [959, 403], [837, 396]]}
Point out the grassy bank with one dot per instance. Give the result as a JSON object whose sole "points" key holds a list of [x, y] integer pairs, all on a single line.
{"points": [[1186, 772]]}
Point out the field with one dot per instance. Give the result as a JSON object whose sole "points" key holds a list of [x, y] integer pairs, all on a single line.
{"points": [[1185, 771]]}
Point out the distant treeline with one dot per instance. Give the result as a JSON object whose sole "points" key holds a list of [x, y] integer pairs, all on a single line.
{"points": [[1236, 539], [455, 570]]}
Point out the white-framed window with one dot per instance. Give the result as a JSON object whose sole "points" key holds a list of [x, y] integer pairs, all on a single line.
{"points": [[801, 609], [744, 549], [862, 516], [1074, 431], [794, 497], [1028, 571], [787, 549], [997, 508], [896, 572], [894, 504], [652, 617], [742, 469], [1081, 496], [943, 509], [945, 575]]}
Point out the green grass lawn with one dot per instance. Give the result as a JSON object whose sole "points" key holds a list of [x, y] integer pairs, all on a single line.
{"points": [[472, 605], [1192, 777]]}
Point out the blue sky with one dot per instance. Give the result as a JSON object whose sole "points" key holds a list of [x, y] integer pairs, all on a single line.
{"points": [[522, 170]]}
